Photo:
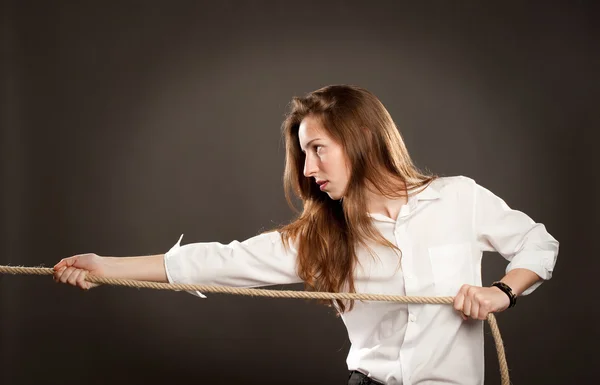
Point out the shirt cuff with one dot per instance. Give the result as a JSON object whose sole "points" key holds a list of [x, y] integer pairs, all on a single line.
{"points": [[540, 262], [170, 274]]}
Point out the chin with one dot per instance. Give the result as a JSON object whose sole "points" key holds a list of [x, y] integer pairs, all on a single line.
{"points": [[335, 197]]}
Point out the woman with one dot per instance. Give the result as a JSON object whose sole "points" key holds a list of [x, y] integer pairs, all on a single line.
{"points": [[371, 223]]}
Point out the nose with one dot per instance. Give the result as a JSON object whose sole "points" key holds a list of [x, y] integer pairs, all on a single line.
{"points": [[310, 166]]}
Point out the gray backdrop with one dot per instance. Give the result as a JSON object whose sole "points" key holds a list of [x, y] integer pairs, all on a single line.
{"points": [[125, 124]]}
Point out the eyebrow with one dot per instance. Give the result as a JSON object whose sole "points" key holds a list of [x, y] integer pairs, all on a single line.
{"points": [[308, 144]]}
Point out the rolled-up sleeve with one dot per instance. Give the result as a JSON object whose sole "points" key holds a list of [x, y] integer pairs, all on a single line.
{"points": [[514, 235], [258, 261]]}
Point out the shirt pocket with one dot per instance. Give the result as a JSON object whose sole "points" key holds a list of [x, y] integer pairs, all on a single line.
{"points": [[451, 266]]}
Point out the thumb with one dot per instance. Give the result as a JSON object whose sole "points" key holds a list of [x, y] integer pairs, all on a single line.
{"points": [[65, 262]]}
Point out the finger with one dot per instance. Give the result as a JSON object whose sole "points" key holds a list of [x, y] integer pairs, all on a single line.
{"points": [[66, 273], [58, 274], [59, 265], [459, 301], [474, 311], [65, 262], [467, 306], [484, 309], [72, 280], [81, 282]]}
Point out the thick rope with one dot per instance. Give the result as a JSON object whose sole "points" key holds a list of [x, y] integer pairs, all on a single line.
{"points": [[15, 270]]}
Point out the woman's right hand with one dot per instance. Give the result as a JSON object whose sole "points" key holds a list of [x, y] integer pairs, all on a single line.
{"points": [[74, 270]]}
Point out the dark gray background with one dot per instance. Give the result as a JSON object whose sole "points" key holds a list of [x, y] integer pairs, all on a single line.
{"points": [[125, 124]]}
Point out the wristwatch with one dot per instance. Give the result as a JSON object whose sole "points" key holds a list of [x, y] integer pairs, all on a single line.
{"points": [[506, 289]]}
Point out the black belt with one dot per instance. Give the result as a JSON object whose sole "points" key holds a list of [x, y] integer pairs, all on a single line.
{"points": [[358, 378]]}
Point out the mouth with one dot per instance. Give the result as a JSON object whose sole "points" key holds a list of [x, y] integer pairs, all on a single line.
{"points": [[323, 184]]}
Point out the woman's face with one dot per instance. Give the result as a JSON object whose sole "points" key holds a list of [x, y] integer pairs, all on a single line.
{"points": [[325, 159]]}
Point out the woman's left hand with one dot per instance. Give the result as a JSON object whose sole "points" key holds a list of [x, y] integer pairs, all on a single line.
{"points": [[477, 302]]}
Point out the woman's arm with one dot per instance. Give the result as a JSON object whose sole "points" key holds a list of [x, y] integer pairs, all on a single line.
{"points": [[146, 268], [526, 244], [529, 248], [477, 302], [73, 270], [259, 261], [519, 280]]}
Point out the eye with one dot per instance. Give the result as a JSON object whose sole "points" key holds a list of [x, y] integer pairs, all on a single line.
{"points": [[318, 148]]}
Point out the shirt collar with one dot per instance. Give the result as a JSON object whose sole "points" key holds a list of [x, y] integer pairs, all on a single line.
{"points": [[429, 193]]}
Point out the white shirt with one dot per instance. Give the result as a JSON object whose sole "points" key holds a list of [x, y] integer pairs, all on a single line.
{"points": [[442, 232]]}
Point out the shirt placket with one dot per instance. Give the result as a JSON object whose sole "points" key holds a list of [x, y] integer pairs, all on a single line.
{"points": [[403, 241]]}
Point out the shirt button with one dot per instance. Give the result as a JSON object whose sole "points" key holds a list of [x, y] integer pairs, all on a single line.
{"points": [[412, 317]]}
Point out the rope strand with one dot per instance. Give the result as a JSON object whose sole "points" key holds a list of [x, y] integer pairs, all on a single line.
{"points": [[17, 270]]}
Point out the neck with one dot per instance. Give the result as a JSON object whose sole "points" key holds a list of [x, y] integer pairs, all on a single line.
{"points": [[378, 203]]}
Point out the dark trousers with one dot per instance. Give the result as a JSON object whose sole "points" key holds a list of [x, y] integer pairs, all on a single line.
{"points": [[357, 378]]}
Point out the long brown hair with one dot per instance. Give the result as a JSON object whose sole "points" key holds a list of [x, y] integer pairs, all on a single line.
{"points": [[327, 232]]}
